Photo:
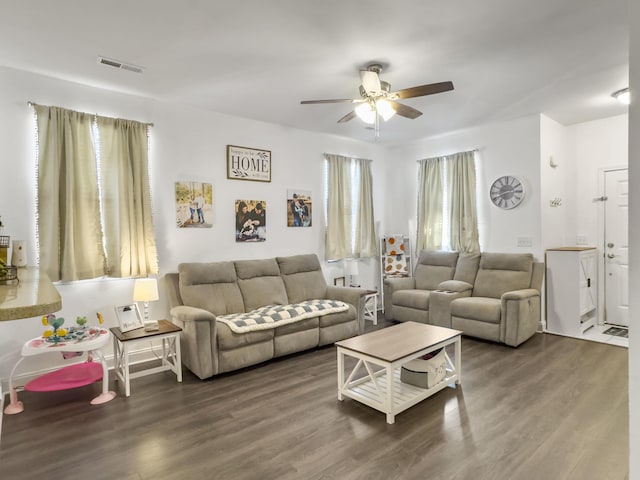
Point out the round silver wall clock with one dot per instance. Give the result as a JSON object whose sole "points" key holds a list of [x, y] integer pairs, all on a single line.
{"points": [[506, 192]]}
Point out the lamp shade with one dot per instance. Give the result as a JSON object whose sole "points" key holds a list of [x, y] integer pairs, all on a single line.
{"points": [[351, 267], [145, 290]]}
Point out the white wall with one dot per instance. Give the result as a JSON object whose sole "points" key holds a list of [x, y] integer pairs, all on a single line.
{"points": [[187, 144], [557, 160], [510, 148], [634, 241]]}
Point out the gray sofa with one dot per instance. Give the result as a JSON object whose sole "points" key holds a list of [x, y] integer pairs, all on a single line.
{"points": [[493, 296], [201, 292]]}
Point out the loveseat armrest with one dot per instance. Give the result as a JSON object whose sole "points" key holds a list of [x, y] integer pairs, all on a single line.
{"points": [[520, 315], [440, 301], [197, 339], [353, 296], [455, 286]]}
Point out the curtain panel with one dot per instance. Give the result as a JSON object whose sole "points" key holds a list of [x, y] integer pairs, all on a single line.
{"points": [[69, 228], [126, 202], [350, 219], [76, 180], [447, 211]]}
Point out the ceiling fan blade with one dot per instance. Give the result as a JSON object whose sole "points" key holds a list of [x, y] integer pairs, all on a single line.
{"points": [[341, 100], [405, 110], [370, 82], [349, 116], [422, 90]]}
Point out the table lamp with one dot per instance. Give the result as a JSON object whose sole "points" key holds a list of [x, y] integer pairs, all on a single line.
{"points": [[146, 290], [351, 269]]}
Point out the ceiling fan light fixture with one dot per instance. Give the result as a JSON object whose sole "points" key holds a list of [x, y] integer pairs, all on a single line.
{"points": [[623, 96], [366, 112], [385, 109]]}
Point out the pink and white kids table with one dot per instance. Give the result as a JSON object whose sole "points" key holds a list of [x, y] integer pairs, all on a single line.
{"points": [[70, 376]]}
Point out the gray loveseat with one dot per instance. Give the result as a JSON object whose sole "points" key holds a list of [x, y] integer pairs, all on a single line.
{"points": [[200, 293], [493, 296]]}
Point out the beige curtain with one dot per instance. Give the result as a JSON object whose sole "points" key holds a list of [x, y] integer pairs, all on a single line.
{"points": [[350, 221], [69, 229], [430, 204], [463, 216], [447, 214], [126, 202]]}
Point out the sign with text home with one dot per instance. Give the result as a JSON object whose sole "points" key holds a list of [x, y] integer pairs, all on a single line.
{"points": [[248, 164]]}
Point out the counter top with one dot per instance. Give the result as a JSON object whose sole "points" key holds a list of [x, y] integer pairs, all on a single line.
{"points": [[32, 296]]}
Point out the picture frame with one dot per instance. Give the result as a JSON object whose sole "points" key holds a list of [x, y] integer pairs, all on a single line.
{"points": [[129, 317], [245, 163], [340, 282]]}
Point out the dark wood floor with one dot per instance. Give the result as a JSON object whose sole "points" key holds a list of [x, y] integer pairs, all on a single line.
{"points": [[554, 408]]}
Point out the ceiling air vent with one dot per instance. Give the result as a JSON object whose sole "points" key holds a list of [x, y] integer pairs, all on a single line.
{"points": [[121, 65]]}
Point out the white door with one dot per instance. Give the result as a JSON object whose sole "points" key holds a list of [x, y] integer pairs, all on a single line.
{"points": [[616, 247]]}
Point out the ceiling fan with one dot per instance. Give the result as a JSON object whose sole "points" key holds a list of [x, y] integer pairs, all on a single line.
{"points": [[377, 100]]}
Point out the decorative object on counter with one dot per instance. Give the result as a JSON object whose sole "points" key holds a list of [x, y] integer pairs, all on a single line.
{"points": [[8, 273], [4, 247], [146, 290], [19, 253]]}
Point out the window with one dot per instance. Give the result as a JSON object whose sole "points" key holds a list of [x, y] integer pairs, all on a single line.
{"points": [[94, 201], [447, 214], [349, 197]]}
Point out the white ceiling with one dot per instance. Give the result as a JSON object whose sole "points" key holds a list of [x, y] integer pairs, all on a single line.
{"points": [[258, 59]]}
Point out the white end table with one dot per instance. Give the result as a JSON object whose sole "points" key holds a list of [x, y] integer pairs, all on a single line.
{"points": [[371, 306], [171, 357]]}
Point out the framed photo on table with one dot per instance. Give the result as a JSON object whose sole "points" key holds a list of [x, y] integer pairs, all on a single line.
{"points": [[129, 317]]}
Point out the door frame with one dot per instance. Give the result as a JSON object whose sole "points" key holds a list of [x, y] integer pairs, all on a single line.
{"points": [[600, 243]]}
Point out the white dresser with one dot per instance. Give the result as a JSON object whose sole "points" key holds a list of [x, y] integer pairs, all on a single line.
{"points": [[572, 293]]}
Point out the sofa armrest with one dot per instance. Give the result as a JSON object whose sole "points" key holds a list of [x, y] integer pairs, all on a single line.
{"points": [[197, 339], [520, 316], [457, 286], [391, 285], [352, 296]]}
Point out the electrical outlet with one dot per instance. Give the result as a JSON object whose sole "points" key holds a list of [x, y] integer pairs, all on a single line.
{"points": [[524, 241], [582, 239]]}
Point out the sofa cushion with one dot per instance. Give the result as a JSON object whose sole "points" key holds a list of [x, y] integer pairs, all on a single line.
{"points": [[336, 318], [411, 298], [260, 283], [434, 267], [502, 272], [467, 267], [228, 340], [481, 309], [210, 286], [303, 278]]}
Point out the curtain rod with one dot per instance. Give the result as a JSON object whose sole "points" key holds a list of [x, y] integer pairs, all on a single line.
{"points": [[32, 104], [449, 154]]}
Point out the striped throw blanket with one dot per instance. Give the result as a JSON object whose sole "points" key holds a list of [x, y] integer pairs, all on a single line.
{"points": [[273, 316]]}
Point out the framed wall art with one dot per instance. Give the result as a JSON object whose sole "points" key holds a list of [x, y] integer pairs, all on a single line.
{"points": [[194, 204], [251, 220], [298, 208], [245, 163]]}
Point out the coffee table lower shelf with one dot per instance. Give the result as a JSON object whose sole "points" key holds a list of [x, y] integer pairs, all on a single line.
{"points": [[404, 395]]}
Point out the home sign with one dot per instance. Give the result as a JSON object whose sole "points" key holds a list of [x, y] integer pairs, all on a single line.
{"points": [[248, 164]]}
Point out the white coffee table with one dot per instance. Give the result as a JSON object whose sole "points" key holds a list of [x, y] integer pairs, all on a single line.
{"points": [[380, 356]]}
